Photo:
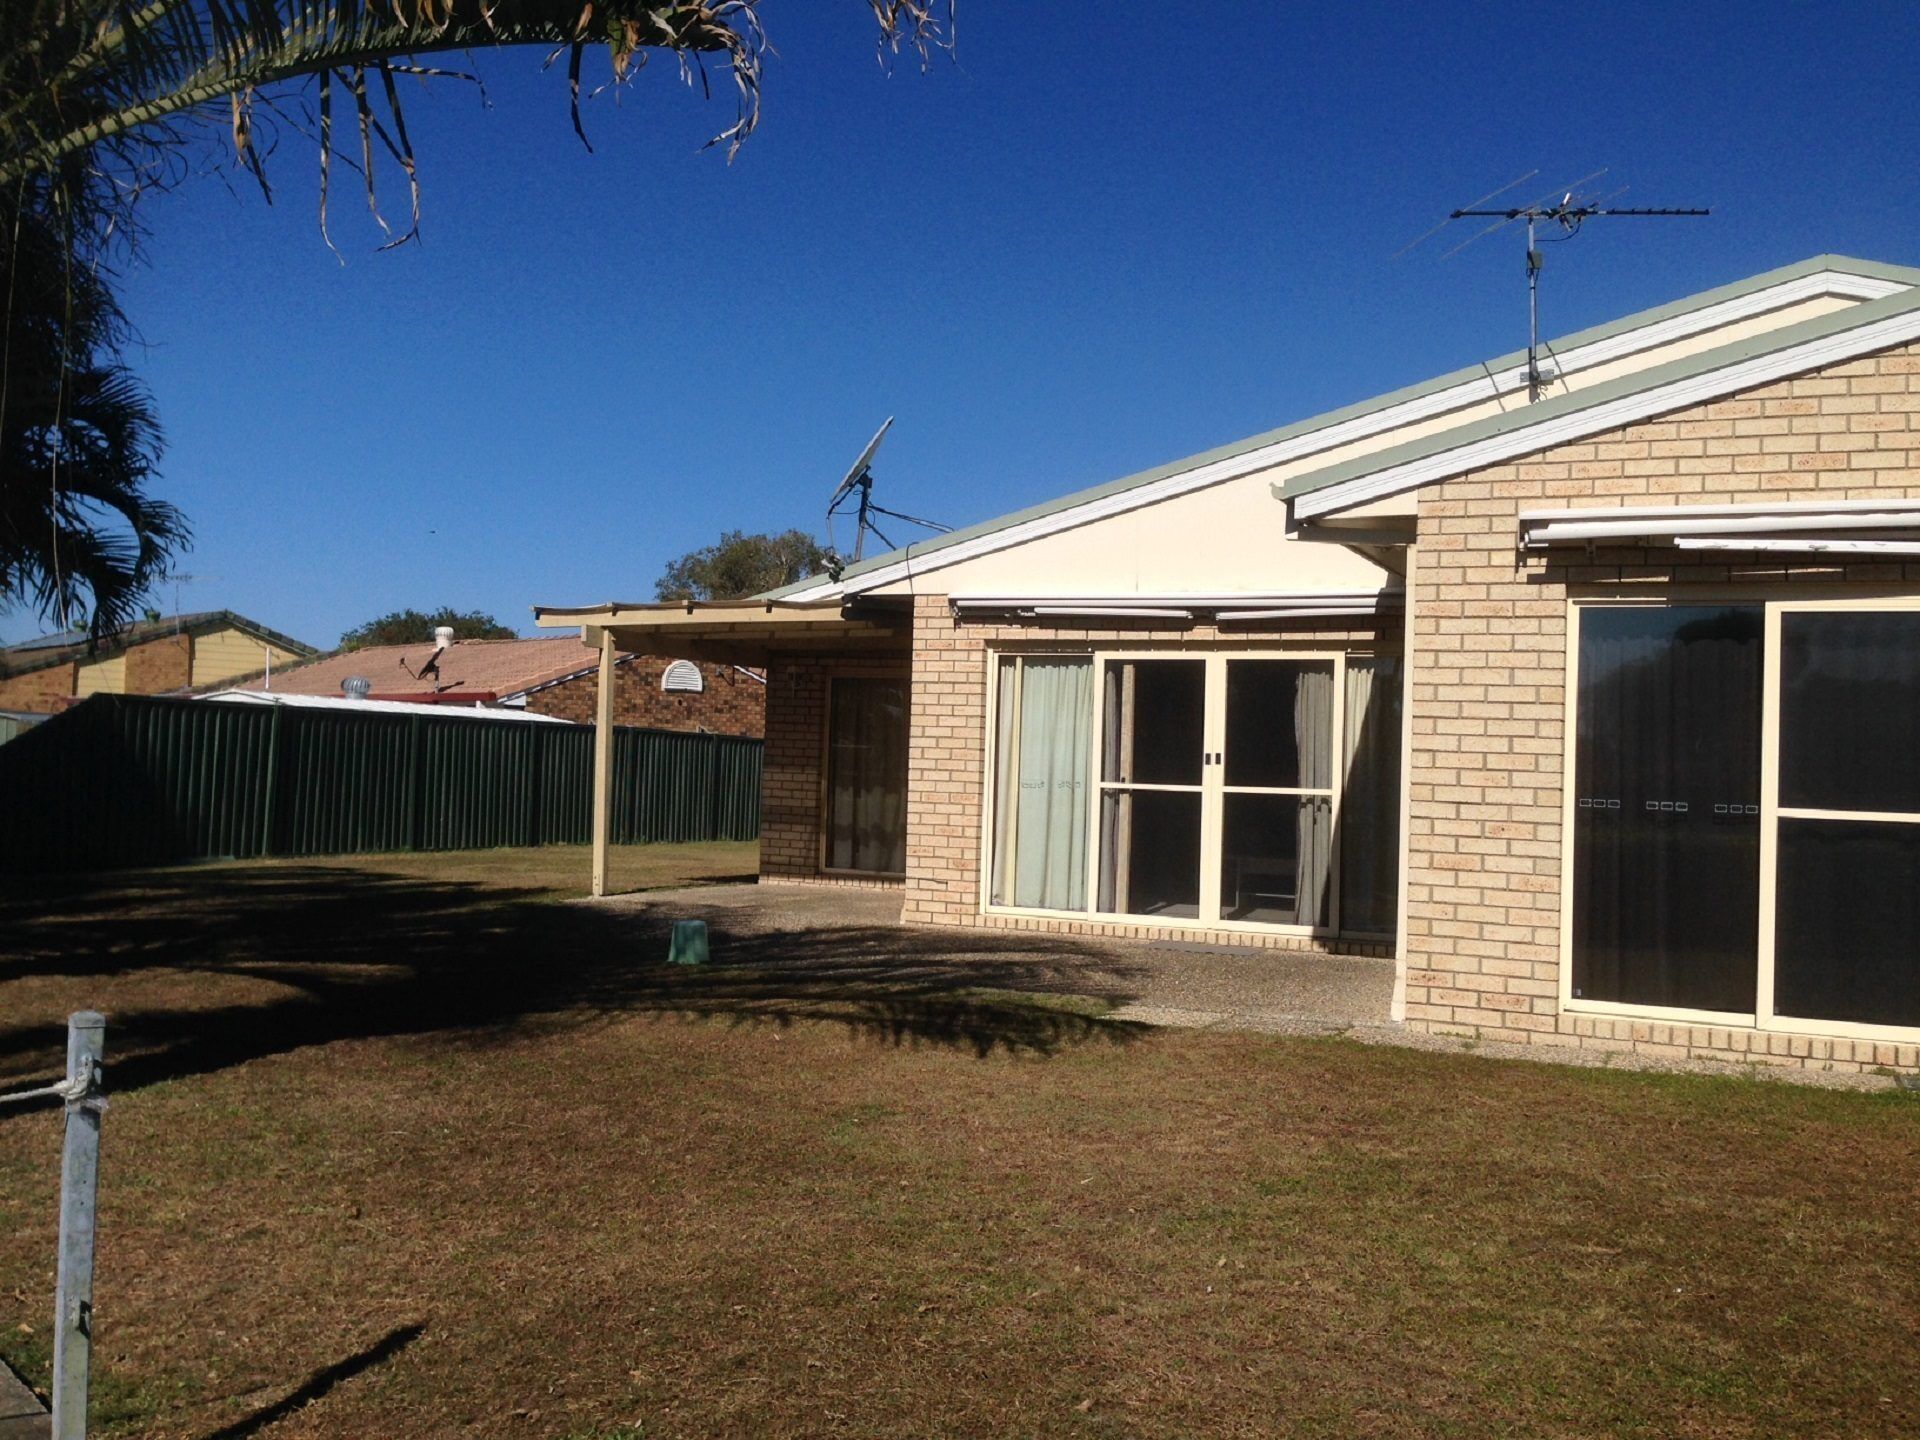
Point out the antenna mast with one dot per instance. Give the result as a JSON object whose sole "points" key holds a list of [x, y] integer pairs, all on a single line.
{"points": [[1569, 214]]}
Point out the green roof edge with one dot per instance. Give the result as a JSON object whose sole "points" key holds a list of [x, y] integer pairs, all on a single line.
{"points": [[1868, 312], [1845, 264], [197, 623]]}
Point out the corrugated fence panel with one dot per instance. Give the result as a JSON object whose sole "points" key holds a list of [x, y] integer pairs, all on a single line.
{"points": [[566, 785], [344, 784], [132, 780]]}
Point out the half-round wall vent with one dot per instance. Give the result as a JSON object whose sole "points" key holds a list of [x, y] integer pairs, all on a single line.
{"points": [[685, 676]]}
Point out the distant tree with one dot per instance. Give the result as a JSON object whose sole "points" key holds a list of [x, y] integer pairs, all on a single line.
{"points": [[416, 627], [742, 565]]}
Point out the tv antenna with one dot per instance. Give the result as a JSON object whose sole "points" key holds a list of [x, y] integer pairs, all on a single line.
{"points": [[860, 480], [1569, 212]]}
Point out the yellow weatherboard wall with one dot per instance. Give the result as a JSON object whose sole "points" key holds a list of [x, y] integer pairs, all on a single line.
{"points": [[107, 676], [229, 654]]}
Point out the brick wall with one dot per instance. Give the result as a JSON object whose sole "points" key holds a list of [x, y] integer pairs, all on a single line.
{"points": [[39, 690], [946, 788], [161, 665], [732, 703], [1487, 694]]}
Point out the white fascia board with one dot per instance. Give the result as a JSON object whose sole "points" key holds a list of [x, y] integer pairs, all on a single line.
{"points": [[1492, 384], [1612, 415]]}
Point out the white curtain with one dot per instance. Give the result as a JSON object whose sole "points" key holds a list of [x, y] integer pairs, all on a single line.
{"points": [[1040, 821], [1370, 798], [1313, 734]]}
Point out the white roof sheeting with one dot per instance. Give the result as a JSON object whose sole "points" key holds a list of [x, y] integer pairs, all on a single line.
{"points": [[378, 707]]}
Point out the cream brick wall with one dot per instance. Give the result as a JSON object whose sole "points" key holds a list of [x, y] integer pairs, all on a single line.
{"points": [[1487, 684]]}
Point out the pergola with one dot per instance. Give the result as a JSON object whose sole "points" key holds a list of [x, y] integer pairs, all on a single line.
{"points": [[735, 632]]}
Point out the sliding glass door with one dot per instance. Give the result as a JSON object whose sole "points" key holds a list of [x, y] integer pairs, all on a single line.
{"points": [[1666, 810], [1153, 794], [1199, 788], [1746, 813], [1843, 800], [866, 801], [1277, 791]]}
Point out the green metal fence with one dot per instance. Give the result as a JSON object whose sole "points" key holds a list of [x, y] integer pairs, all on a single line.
{"points": [[125, 780]]}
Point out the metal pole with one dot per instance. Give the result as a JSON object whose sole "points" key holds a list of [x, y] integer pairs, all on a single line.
{"points": [[79, 1183], [603, 756], [1533, 316]]}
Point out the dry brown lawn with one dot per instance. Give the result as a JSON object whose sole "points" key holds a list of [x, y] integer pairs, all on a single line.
{"points": [[403, 1148]]}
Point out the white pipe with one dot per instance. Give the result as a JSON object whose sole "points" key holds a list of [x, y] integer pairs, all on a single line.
{"points": [[1807, 545], [1300, 612], [1662, 512], [1183, 602], [1556, 532], [1100, 612]]}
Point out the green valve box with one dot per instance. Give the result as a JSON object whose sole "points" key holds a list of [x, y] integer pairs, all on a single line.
{"points": [[689, 943]]}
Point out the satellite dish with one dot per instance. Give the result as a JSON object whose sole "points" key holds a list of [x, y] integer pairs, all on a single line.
{"points": [[860, 478], [863, 467]]}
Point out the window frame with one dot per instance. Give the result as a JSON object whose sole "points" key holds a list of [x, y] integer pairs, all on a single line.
{"points": [[1773, 606], [1213, 794]]}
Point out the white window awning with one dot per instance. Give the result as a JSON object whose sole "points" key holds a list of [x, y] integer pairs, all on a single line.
{"points": [[1839, 527], [1299, 604]]}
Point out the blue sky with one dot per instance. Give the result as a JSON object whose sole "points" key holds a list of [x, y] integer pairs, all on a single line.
{"points": [[1108, 236]]}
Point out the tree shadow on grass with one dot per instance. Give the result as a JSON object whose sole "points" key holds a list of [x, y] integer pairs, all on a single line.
{"points": [[338, 953], [320, 1383]]}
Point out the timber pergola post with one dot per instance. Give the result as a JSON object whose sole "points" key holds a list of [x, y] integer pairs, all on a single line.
{"points": [[602, 758]]}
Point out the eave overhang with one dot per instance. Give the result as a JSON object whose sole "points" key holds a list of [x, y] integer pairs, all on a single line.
{"points": [[740, 632]]}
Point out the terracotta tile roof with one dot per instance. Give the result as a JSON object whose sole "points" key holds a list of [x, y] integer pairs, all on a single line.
{"points": [[504, 667]]}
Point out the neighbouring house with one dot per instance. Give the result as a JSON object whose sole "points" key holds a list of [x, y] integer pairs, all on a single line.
{"points": [[1601, 714], [547, 675], [151, 657]]}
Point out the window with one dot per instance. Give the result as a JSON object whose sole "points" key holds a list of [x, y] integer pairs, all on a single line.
{"points": [[1199, 788], [1666, 809], [866, 819], [683, 676], [1846, 839], [1746, 812]]}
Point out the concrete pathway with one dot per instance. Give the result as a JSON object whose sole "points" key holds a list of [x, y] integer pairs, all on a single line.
{"points": [[1151, 982], [22, 1417]]}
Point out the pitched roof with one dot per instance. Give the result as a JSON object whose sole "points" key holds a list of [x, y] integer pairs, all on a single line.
{"points": [[1740, 365], [1865, 280], [501, 667], [68, 645]]}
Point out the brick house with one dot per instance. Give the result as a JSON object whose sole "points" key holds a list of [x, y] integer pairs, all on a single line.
{"points": [[546, 675], [151, 657], [1599, 714]]}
